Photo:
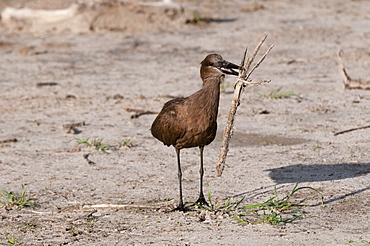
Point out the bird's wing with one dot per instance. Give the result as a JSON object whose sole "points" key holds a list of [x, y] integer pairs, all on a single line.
{"points": [[169, 125]]}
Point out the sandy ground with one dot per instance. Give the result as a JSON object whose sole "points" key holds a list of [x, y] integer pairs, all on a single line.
{"points": [[101, 71]]}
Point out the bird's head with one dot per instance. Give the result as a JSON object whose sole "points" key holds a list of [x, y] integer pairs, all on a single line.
{"points": [[215, 65]]}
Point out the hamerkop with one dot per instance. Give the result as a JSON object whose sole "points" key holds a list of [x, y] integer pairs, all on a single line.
{"points": [[192, 121]]}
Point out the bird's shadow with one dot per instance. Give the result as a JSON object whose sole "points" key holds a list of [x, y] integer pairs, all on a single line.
{"points": [[314, 173], [317, 172], [321, 172]]}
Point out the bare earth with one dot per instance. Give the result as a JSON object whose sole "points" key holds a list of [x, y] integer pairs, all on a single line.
{"points": [[139, 59]]}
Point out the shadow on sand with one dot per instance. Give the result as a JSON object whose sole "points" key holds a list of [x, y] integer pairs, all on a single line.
{"points": [[313, 173], [321, 172], [318, 172]]}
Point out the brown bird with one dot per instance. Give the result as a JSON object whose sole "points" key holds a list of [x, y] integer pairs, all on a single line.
{"points": [[192, 121]]}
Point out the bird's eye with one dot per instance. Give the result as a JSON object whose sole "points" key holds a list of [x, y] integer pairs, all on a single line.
{"points": [[211, 63]]}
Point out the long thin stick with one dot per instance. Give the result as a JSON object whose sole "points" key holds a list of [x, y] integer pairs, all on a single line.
{"points": [[168, 205], [162, 205], [352, 129], [240, 84]]}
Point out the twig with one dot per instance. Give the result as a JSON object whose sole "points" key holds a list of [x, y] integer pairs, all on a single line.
{"points": [[139, 112], [259, 62], [241, 83], [41, 84], [89, 214], [41, 212], [352, 129], [72, 127], [86, 157], [9, 140], [168, 205], [348, 82], [255, 52], [162, 205]]}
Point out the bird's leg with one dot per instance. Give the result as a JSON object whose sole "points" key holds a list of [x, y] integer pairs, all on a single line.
{"points": [[179, 175], [201, 200]]}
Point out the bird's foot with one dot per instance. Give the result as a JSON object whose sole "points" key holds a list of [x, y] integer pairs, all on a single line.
{"points": [[202, 201], [180, 207]]}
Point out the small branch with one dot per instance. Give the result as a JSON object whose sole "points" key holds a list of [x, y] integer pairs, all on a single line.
{"points": [[89, 214], [72, 127], [348, 82], [352, 129], [41, 84], [9, 140], [86, 157], [342, 69], [241, 83], [38, 212], [255, 52], [168, 205], [259, 62], [163, 205], [139, 112]]}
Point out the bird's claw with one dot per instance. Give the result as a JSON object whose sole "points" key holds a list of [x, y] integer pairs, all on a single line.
{"points": [[180, 208], [202, 201]]}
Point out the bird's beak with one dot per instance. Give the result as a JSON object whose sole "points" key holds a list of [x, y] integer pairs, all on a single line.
{"points": [[227, 68]]}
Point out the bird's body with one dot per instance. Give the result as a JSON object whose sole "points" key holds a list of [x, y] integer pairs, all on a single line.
{"points": [[192, 121]]}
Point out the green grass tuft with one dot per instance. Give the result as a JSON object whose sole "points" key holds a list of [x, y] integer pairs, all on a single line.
{"points": [[10, 199], [277, 211], [274, 211], [12, 241], [97, 143], [226, 207], [100, 145], [276, 94]]}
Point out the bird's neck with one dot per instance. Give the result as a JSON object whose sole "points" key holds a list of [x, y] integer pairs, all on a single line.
{"points": [[211, 94]]}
